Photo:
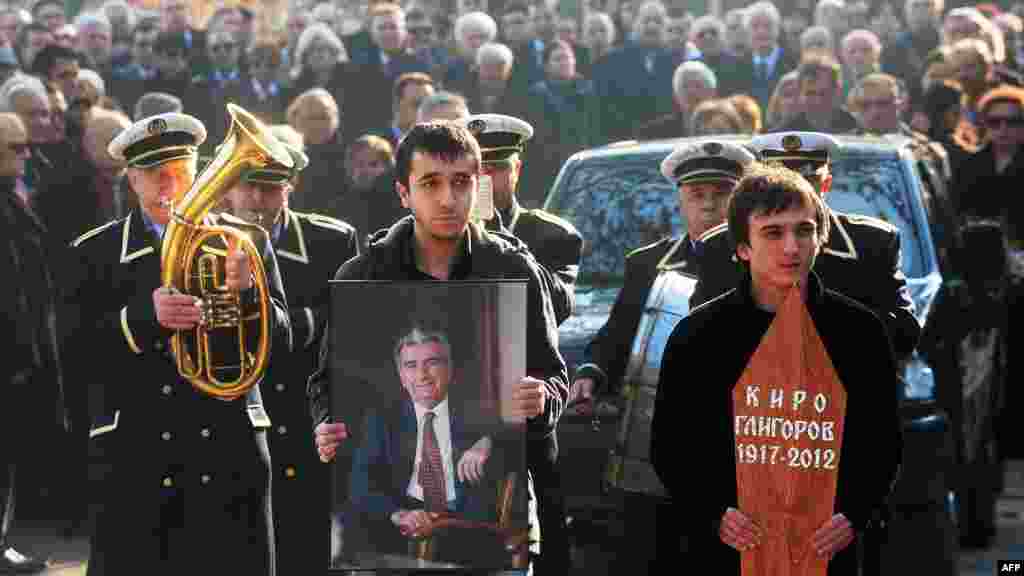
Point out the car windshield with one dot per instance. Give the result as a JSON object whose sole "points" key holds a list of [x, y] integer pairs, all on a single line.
{"points": [[623, 202]]}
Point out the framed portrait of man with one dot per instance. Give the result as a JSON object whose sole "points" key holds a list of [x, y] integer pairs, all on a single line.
{"points": [[433, 472]]}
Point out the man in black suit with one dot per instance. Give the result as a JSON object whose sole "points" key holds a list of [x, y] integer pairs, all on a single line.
{"points": [[861, 259], [705, 174], [555, 242], [768, 60], [420, 456], [821, 94], [309, 248]]}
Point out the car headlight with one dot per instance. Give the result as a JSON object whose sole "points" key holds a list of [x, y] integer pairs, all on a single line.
{"points": [[918, 379]]}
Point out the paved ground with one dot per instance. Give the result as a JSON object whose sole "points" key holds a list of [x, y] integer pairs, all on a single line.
{"points": [[68, 558]]}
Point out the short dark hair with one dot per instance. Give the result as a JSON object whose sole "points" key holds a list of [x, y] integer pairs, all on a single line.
{"points": [[770, 189], [38, 5], [415, 78], [47, 58], [444, 139], [816, 62]]}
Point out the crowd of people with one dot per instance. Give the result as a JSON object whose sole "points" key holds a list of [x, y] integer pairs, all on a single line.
{"points": [[344, 85]]}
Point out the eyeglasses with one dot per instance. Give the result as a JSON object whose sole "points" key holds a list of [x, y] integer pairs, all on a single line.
{"points": [[997, 121], [710, 33], [18, 148], [226, 46]]}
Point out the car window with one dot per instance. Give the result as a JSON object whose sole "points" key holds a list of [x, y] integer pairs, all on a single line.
{"points": [[877, 186], [617, 205], [621, 203]]}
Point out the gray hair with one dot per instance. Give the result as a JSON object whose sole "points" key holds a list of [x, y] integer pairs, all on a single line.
{"points": [[709, 21], [480, 21], [93, 19], [991, 33], [153, 103], [815, 33], [21, 83], [693, 69], [127, 14], [819, 10], [317, 32], [418, 336], [762, 8], [975, 45], [649, 6], [604, 20], [92, 77], [432, 103], [494, 52]]}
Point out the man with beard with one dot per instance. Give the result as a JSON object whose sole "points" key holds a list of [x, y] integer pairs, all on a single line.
{"points": [[437, 167], [182, 477], [310, 248], [31, 376]]}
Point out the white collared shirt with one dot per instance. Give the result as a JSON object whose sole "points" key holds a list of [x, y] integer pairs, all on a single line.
{"points": [[443, 433]]}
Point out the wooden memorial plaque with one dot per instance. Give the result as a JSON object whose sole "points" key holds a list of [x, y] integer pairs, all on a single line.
{"points": [[788, 407]]}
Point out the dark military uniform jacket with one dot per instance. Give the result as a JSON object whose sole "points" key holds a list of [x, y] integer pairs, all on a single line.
{"points": [[556, 244], [172, 456], [607, 355], [696, 421], [861, 261], [310, 248]]}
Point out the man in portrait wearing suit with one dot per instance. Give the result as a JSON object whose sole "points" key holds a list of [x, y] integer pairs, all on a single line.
{"points": [[420, 456]]}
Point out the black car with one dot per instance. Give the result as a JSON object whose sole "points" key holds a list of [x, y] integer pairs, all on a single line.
{"points": [[618, 200]]}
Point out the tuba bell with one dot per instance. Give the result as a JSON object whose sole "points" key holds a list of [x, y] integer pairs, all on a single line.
{"points": [[226, 354]]}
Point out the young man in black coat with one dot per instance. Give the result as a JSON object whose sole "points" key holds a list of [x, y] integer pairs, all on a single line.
{"points": [[437, 166], [861, 259], [705, 174], [780, 225]]}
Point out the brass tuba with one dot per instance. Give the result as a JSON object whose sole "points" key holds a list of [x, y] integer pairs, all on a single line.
{"points": [[226, 354]]}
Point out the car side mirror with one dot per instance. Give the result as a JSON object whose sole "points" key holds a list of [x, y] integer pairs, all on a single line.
{"points": [[984, 257]]}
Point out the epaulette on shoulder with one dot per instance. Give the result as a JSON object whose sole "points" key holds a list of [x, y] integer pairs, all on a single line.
{"points": [[553, 219], [714, 231], [94, 232], [327, 222], [872, 221], [636, 251]]}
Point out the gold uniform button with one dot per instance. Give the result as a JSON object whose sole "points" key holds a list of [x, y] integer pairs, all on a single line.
{"points": [[204, 479], [166, 390], [205, 433], [166, 435], [168, 482], [279, 387], [289, 472]]}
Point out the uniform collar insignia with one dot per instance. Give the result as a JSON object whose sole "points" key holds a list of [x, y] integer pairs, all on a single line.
{"points": [[135, 239], [292, 244], [839, 242]]}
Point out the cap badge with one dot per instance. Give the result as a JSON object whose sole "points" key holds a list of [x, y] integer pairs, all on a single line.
{"points": [[157, 126], [712, 148], [477, 126], [791, 142]]}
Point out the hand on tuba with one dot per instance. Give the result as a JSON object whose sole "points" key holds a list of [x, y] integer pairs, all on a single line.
{"points": [[236, 268]]}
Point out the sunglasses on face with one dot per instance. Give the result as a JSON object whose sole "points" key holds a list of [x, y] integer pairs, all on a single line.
{"points": [[998, 121]]}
